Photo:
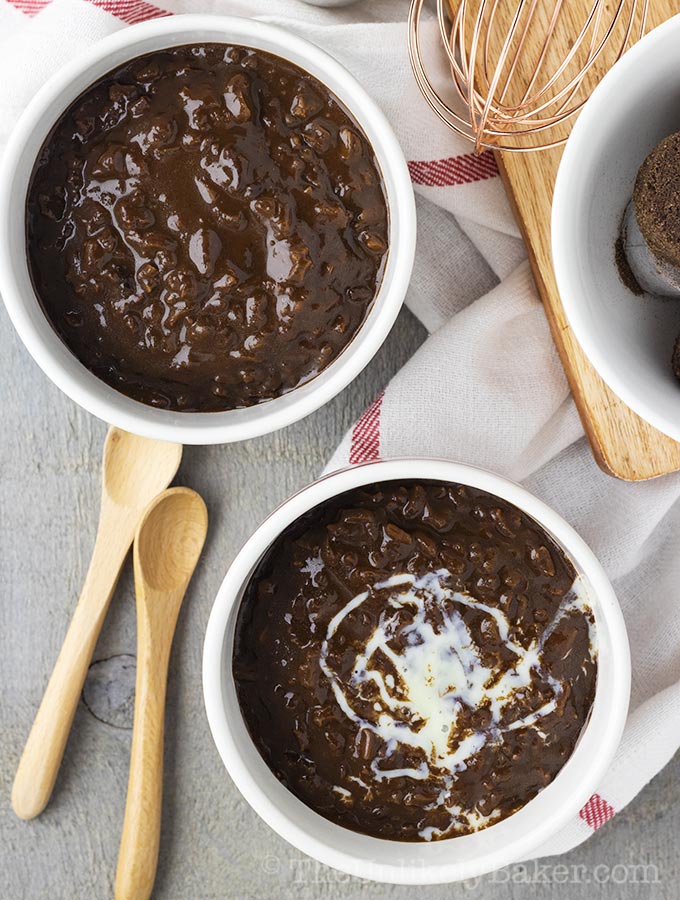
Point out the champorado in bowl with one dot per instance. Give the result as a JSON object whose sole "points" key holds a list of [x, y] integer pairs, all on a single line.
{"points": [[151, 196]]}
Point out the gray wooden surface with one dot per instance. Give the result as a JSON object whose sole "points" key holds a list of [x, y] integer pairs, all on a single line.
{"points": [[212, 844]]}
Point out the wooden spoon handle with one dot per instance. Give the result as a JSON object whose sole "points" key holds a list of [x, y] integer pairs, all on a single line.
{"points": [[138, 854], [46, 742]]}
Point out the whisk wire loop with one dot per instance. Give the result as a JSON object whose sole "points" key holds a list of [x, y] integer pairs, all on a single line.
{"points": [[521, 70]]}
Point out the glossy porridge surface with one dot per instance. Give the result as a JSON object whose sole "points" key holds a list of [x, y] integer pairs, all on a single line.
{"points": [[207, 227], [415, 660]]}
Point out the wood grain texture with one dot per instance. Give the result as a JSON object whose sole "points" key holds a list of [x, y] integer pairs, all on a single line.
{"points": [[623, 444], [134, 471], [168, 545]]}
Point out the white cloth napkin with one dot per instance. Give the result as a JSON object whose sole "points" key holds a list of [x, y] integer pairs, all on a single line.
{"points": [[486, 387]]}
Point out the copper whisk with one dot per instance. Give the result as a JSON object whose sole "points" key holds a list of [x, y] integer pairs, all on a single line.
{"points": [[521, 69]]}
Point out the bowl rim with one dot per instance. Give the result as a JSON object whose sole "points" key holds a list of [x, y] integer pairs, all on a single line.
{"points": [[585, 768], [568, 285], [23, 306]]}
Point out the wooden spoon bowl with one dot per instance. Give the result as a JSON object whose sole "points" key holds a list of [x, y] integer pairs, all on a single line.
{"points": [[134, 470]]}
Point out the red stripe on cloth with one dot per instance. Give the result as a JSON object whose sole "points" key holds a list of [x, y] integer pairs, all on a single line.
{"points": [[596, 812], [29, 7], [131, 11], [365, 442], [456, 170]]}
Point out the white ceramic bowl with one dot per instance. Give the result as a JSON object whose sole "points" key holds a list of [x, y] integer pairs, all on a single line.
{"points": [[15, 284], [440, 861], [628, 339]]}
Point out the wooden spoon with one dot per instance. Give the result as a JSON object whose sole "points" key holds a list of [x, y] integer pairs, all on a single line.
{"points": [[135, 470], [168, 544]]}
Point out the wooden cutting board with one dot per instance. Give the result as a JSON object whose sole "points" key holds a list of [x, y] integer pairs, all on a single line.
{"points": [[623, 444]]}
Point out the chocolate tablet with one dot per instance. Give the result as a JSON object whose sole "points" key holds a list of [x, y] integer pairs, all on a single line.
{"points": [[648, 249], [650, 232], [415, 660], [207, 227]]}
